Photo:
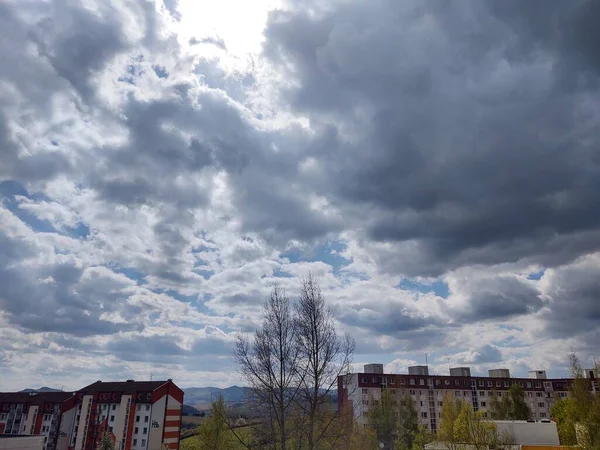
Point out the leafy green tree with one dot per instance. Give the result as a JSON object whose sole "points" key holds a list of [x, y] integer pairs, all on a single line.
{"points": [[512, 406], [382, 417], [561, 413], [472, 428], [106, 442], [447, 434], [407, 425], [578, 417], [215, 433], [422, 438]]}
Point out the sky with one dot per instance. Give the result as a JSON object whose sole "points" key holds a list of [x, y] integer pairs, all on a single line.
{"points": [[435, 165]]}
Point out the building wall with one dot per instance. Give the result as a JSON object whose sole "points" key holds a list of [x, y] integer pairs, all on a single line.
{"points": [[357, 393], [84, 414], [157, 420], [172, 422], [65, 429], [528, 433], [30, 421], [22, 443], [121, 424]]}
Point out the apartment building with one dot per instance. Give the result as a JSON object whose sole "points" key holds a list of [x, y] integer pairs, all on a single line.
{"points": [[358, 391], [137, 415], [32, 413]]}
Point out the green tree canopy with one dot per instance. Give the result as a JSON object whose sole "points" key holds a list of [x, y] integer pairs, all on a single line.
{"points": [[512, 406]]}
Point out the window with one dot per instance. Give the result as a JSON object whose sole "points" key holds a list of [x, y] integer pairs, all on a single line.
{"points": [[411, 381], [542, 414], [562, 394], [423, 415], [139, 407], [539, 394], [548, 385], [483, 404], [364, 380], [506, 384], [146, 419], [375, 380], [391, 380], [482, 393], [421, 382], [529, 394], [420, 392], [538, 385], [520, 383], [541, 404], [402, 381], [481, 383], [528, 384], [447, 382], [440, 404], [438, 382], [136, 430], [422, 403], [498, 383], [466, 393], [365, 403], [135, 442], [485, 414], [413, 392], [137, 418], [143, 442], [145, 430], [112, 418], [114, 407], [365, 391], [456, 382], [490, 383], [499, 394], [457, 393]]}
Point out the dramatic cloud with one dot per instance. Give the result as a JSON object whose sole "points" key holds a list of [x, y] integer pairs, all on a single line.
{"points": [[163, 164]]}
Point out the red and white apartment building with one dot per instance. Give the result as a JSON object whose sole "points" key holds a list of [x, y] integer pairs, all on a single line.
{"points": [[357, 392], [137, 415]]}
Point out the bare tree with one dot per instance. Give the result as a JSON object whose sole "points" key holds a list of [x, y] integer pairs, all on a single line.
{"points": [[323, 357], [269, 363]]}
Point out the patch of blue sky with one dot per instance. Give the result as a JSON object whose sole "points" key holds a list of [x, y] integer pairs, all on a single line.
{"points": [[438, 287], [9, 190], [195, 301], [536, 275], [129, 272], [329, 253]]}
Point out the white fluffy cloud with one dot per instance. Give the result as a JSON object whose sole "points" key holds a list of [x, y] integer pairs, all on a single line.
{"points": [[164, 164]]}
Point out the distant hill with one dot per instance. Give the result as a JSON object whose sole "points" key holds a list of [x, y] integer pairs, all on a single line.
{"points": [[205, 395], [42, 389], [188, 410]]}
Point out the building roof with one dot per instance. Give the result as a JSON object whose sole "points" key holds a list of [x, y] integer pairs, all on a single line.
{"points": [[34, 398], [123, 387]]}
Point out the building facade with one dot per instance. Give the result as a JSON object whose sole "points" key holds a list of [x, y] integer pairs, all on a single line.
{"points": [[137, 415], [359, 391], [32, 413]]}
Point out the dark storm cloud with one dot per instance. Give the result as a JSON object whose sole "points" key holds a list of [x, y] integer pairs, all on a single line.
{"points": [[573, 293], [495, 298], [462, 129], [204, 353]]}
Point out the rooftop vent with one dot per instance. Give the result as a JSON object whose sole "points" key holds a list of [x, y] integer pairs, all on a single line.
{"points": [[130, 381]]}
